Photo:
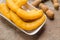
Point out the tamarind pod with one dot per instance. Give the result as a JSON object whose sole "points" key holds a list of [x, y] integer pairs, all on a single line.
{"points": [[36, 2], [22, 13], [3, 10], [50, 14], [55, 3], [43, 7], [20, 2], [47, 11], [27, 25]]}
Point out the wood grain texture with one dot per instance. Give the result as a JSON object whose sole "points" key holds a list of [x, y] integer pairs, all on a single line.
{"points": [[51, 29]]}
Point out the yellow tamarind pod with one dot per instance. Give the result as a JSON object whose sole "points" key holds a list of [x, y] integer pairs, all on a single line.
{"points": [[20, 2], [3, 10], [27, 25], [22, 13], [14, 0]]}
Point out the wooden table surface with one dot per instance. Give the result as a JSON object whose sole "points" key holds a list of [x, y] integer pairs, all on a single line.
{"points": [[51, 30]]}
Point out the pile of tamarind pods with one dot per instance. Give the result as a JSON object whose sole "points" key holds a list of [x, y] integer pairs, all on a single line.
{"points": [[27, 20], [48, 12]]}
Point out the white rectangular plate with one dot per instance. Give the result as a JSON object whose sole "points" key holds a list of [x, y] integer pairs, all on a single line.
{"points": [[29, 33]]}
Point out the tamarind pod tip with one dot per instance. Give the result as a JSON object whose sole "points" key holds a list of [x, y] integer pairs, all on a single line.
{"points": [[56, 5], [50, 14]]}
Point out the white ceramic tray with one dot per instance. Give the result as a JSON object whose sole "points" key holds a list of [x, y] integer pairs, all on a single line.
{"points": [[29, 33]]}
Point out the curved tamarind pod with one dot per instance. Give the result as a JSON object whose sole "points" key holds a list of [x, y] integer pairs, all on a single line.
{"points": [[22, 13], [3, 10], [20, 2], [27, 25]]}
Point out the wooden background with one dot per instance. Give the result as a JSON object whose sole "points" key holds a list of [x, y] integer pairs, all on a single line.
{"points": [[51, 30]]}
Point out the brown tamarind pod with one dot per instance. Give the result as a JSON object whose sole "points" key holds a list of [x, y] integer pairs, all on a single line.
{"points": [[55, 3], [36, 2], [50, 14], [43, 7], [47, 11]]}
